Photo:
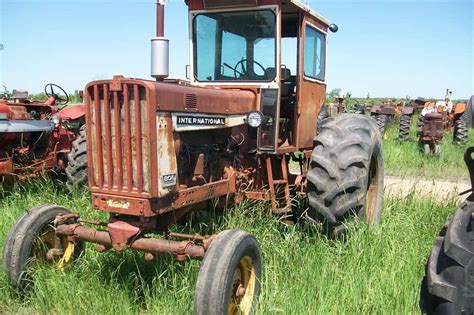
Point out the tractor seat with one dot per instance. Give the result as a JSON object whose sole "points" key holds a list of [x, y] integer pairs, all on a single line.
{"points": [[288, 81]]}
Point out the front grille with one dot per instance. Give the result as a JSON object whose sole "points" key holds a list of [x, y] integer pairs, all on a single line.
{"points": [[119, 129]]}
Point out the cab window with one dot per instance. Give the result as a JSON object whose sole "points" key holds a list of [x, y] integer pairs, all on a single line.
{"points": [[314, 53]]}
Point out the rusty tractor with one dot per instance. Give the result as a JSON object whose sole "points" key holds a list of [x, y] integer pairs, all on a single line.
{"points": [[447, 287], [441, 116], [157, 150], [388, 111], [38, 135]]}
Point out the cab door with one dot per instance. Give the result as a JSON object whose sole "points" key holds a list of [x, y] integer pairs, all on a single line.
{"points": [[311, 79]]}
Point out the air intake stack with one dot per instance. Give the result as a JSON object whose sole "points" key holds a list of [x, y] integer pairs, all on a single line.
{"points": [[160, 45]]}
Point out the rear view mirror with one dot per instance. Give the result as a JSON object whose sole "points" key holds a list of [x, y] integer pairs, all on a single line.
{"points": [[334, 28]]}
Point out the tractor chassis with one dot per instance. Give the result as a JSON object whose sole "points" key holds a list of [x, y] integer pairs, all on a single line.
{"points": [[126, 230], [122, 234]]}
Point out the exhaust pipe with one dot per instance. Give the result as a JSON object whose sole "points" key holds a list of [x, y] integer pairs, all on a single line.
{"points": [[160, 45]]}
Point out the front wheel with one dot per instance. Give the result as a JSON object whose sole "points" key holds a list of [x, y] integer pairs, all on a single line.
{"points": [[229, 278], [31, 240], [432, 149], [346, 172]]}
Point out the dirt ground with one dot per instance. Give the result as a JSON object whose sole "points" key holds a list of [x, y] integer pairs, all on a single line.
{"points": [[438, 189]]}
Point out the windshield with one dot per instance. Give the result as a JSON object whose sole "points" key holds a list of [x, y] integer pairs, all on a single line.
{"points": [[235, 46]]}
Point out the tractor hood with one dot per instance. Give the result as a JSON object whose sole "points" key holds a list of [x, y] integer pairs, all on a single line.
{"points": [[171, 97]]}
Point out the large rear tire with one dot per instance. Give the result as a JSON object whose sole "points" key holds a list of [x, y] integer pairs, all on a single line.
{"points": [[346, 172], [381, 120], [460, 131], [76, 169], [419, 126], [323, 114], [405, 122], [448, 286]]}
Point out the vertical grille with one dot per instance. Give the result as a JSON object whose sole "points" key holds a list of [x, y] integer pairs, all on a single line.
{"points": [[119, 138]]}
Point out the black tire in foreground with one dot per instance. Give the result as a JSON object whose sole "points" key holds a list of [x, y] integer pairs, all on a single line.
{"points": [[229, 277], [323, 114], [346, 172], [381, 120], [29, 241], [405, 122], [448, 286], [76, 169], [460, 131]]}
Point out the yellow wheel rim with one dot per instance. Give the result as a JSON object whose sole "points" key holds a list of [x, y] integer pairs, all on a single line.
{"points": [[45, 241], [242, 290], [67, 256]]}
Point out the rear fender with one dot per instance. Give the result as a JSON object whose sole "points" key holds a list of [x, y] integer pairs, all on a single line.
{"points": [[71, 113], [374, 110], [460, 108], [408, 111]]}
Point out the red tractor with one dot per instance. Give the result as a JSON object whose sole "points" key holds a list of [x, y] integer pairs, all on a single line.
{"points": [[438, 117], [38, 136], [158, 150]]}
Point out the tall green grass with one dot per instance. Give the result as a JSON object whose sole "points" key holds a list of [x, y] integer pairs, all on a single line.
{"points": [[371, 270], [407, 158]]}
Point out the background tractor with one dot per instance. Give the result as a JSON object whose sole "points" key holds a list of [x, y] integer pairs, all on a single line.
{"points": [[343, 103], [37, 135], [158, 150], [448, 285], [388, 112], [441, 116]]}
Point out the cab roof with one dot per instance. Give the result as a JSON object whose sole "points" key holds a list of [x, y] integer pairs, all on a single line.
{"points": [[288, 6]]}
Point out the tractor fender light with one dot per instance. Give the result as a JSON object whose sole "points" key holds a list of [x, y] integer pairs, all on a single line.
{"points": [[255, 119]]}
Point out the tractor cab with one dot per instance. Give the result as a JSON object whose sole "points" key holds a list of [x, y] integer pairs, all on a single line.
{"points": [[277, 49]]}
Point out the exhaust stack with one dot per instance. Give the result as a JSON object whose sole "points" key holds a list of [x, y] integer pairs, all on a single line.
{"points": [[160, 45]]}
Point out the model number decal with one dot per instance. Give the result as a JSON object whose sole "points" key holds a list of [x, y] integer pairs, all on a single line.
{"points": [[200, 120], [169, 180]]}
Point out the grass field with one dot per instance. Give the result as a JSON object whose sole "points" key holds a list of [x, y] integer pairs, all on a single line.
{"points": [[374, 270]]}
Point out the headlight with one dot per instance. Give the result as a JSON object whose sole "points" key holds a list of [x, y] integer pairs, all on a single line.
{"points": [[255, 119], [3, 116], [56, 119]]}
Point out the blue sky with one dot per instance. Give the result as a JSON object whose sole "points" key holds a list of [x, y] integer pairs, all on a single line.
{"points": [[385, 47]]}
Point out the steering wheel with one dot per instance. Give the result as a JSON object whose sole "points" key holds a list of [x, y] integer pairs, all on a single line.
{"points": [[49, 90], [241, 63]]}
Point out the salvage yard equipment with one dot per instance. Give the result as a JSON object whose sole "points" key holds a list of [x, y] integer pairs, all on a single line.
{"points": [[157, 151], [36, 136], [436, 118], [448, 286], [388, 111]]}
